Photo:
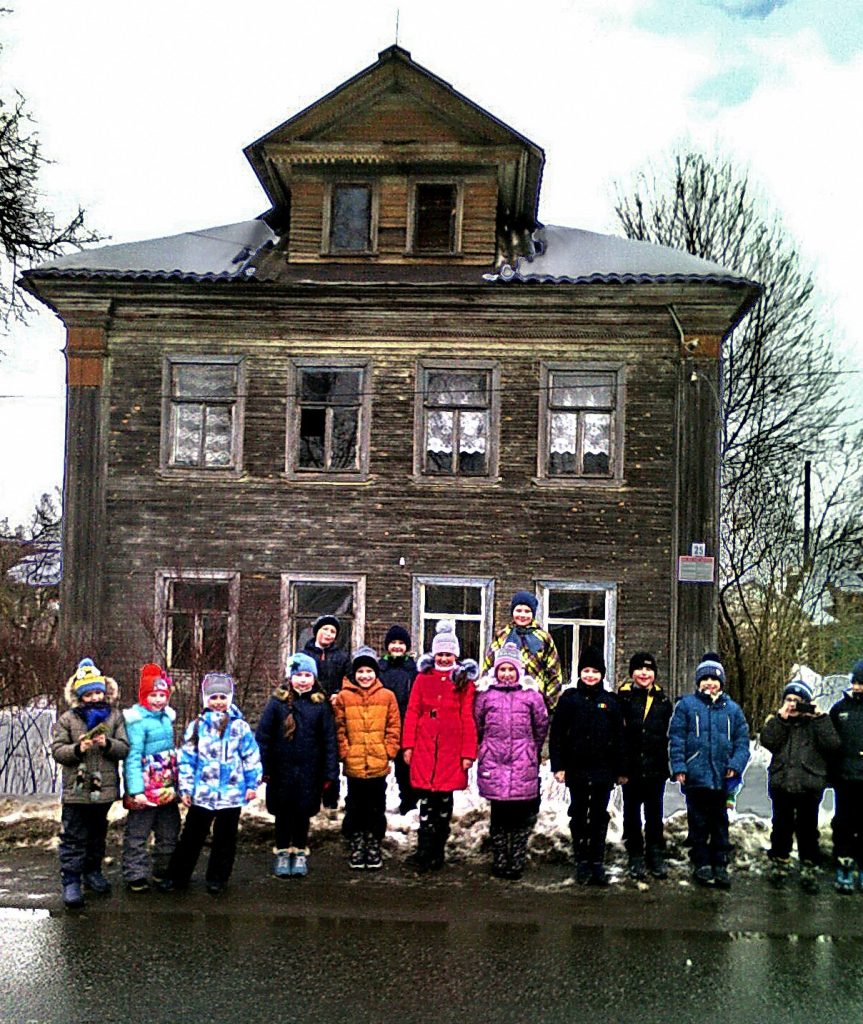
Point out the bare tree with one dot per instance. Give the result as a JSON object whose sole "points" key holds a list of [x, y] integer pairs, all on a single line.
{"points": [[29, 232], [782, 404]]}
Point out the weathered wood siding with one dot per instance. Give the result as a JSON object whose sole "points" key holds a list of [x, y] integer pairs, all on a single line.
{"points": [[512, 529]]}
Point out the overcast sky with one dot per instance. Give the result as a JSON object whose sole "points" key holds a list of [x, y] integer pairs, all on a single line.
{"points": [[145, 109]]}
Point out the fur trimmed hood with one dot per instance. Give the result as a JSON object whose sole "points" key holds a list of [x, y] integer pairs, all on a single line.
{"points": [[283, 693], [489, 680], [112, 692]]}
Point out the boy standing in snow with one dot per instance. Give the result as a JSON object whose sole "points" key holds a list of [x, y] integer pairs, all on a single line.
{"points": [[847, 717], [439, 740], [800, 738], [151, 782], [397, 672], [89, 741], [368, 728], [586, 749], [708, 744]]}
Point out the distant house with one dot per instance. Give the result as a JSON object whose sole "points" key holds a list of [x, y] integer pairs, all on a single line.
{"points": [[396, 396]]}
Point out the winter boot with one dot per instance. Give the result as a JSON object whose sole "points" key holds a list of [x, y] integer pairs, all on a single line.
{"points": [[780, 868], [73, 895], [438, 856], [656, 862], [374, 857], [809, 877], [299, 863], [703, 876], [598, 877], [96, 882], [637, 869], [499, 851], [357, 855], [138, 886], [282, 863], [518, 853], [844, 875], [721, 878], [582, 872]]}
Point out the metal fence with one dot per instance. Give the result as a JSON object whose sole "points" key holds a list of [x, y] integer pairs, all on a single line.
{"points": [[26, 765]]}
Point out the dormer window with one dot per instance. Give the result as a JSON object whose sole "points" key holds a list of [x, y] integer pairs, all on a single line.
{"points": [[435, 217], [350, 221]]}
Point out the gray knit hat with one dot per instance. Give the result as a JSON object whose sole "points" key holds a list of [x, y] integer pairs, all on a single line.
{"points": [[217, 682], [445, 641], [710, 667]]}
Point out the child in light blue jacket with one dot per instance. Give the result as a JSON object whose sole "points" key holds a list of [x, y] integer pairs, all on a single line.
{"points": [[150, 772], [220, 771]]}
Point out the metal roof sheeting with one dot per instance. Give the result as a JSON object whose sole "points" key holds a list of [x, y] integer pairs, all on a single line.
{"points": [[574, 256]]}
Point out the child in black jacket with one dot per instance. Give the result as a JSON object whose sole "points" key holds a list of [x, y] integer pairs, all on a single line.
{"points": [[586, 748], [847, 777], [397, 672], [646, 714]]}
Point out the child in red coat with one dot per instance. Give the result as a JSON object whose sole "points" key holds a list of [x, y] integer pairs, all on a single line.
{"points": [[439, 740]]}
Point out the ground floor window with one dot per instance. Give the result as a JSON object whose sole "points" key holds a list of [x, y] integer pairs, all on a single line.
{"points": [[467, 601], [578, 615], [305, 597], [196, 620]]}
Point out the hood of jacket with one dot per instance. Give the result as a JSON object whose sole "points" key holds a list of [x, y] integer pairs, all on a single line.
{"points": [[491, 682], [283, 693], [138, 713], [350, 685], [112, 692]]}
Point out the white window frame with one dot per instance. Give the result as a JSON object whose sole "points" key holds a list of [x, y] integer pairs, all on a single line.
{"points": [[543, 590], [485, 617], [163, 580], [286, 623], [172, 359], [616, 438]]}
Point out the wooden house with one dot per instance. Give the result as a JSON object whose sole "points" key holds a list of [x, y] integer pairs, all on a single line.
{"points": [[394, 396]]}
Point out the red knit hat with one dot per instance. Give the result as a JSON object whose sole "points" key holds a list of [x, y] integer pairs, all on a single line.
{"points": [[153, 680]]}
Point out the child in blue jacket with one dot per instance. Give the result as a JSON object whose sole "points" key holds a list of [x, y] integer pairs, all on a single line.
{"points": [[150, 774], [220, 770], [708, 744]]}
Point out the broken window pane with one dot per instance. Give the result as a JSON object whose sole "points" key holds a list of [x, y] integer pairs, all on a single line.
{"points": [[214, 642], [312, 432], [344, 453], [434, 218], [350, 218], [179, 640], [330, 387], [199, 596]]}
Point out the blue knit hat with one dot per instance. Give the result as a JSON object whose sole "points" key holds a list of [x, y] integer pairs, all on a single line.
{"points": [[710, 667], [797, 688], [300, 662], [523, 597], [857, 673]]}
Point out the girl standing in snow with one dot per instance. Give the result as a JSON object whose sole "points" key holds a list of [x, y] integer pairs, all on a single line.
{"points": [[297, 740], [220, 770], [439, 740], [512, 721]]}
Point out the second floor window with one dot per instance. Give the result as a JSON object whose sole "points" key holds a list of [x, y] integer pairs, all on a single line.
{"points": [[350, 218], [457, 421], [197, 616], [204, 415], [326, 434], [581, 424]]}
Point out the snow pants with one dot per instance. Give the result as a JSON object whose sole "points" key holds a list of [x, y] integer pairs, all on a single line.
{"points": [[365, 807], [164, 823], [223, 848], [707, 816], [848, 821], [84, 828], [588, 819], [647, 794]]}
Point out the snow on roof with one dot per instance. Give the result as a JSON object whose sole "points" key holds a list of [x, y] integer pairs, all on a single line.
{"points": [[574, 256], [217, 252]]}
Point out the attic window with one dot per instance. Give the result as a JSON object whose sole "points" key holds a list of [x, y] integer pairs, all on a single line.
{"points": [[436, 217], [350, 217]]}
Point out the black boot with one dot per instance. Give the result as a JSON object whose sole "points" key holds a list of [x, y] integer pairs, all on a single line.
{"points": [[637, 869], [441, 834], [421, 858], [518, 852], [656, 862], [499, 851]]}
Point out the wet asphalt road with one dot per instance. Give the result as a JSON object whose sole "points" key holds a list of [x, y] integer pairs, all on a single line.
{"points": [[460, 947]]}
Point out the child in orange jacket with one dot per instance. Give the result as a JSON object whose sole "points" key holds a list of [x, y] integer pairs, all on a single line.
{"points": [[368, 728]]}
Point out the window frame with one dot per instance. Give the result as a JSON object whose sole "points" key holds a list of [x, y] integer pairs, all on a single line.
{"points": [[286, 619], [327, 247], [163, 580], [296, 366], [423, 367], [486, 618], [610, 589], [169, 361], [434, 179], [617, 432]]}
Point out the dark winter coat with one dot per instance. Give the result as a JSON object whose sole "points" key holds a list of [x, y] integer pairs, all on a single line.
{"points": [[297, 767], [801, 747], [586, 738], [706, 738], [646, 714], [439, 728], [333, 665], [847, 717], [511, 721], [93, 776], [398, 674]]}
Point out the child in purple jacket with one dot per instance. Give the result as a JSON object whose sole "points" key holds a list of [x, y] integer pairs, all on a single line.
{"points": [[511, 721]]}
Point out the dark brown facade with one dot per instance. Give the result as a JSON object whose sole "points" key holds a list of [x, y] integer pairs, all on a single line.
{"points": [[365, 417]]}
